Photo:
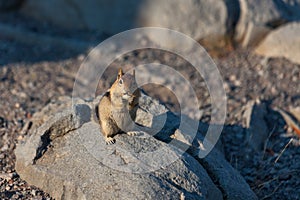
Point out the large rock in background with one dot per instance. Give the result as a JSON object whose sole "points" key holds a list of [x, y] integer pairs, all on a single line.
{"points": [[258, 18], [212, 23], [197, 19], [66, 156], [283, 42], [109, 16]]}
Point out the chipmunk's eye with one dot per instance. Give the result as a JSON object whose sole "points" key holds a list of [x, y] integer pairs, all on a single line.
{"points": [[120, 81]]}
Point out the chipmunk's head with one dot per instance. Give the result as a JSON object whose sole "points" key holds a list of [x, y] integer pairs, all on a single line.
{"points": [[126, 84]]}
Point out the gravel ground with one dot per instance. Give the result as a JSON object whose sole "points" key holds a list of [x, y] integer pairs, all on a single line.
{"points": [[31, 76]]}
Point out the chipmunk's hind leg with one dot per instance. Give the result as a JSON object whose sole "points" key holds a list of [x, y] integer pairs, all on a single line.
{"points": [[109, 130]]}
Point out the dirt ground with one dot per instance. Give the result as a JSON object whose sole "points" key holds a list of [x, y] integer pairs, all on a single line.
{"points": [[32, 75]]}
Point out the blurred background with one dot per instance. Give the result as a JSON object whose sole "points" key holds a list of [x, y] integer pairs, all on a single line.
{"points": [[255, 44], [220, 25]]}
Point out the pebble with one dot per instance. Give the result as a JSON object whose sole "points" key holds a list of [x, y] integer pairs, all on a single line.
{"points": [[17, 105], [20, 137], [281, 76], [273, 90], [295, 79], [232, 78], [237, 83], [33, 192], [22, 95], [260, 72]]}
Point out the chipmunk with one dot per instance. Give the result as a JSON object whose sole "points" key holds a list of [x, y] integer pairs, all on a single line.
{"points": [[117, 108]]}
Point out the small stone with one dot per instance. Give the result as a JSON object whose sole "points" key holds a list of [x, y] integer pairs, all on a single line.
{"points": [[273, 90], [33, 192], [280, 76], [237, 83], [20, 137], [17, 105], [232, 78], [295, 79]]}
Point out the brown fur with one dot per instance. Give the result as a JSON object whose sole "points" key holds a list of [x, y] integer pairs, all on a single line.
{"points": [[117, 108]]}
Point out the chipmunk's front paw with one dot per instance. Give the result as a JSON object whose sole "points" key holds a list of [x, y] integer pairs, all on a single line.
{"points": [[134, 133], [110, 140]]}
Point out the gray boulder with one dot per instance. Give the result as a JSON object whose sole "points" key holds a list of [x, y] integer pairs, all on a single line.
{"points": [[197, 19], [66, 156], [283, 42], [258, 18]]}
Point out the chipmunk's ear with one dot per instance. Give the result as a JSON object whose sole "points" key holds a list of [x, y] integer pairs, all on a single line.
{"points": [[120, 73]]}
